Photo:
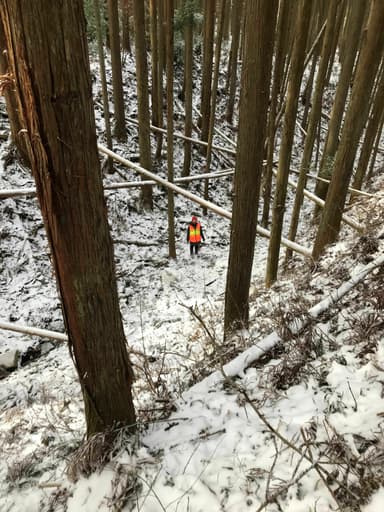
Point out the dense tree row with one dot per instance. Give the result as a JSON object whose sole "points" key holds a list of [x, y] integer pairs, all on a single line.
{"points": [[279, 58]]}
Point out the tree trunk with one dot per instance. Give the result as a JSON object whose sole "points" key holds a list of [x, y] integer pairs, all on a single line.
{"points": [[212, 110], [7, 89], [357, 9], [206, 80], [281, 34], [237, 11], [103, 78], [355, 119], [53, 84], [188, 69], [117, 79], [125, 30], [142, 98], [255, 85], [170, 129], [314, 120], [370, 134], [296, 72]]}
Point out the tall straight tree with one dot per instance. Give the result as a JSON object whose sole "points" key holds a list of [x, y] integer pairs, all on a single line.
{"points": [[169, 66], [352, 38], [156, 94], [371, 131], [282, 29], [296, 73], [206, 80], [236, 16], [255, 85], [188, 17], [142, 98], [117, 78], [48, 58], [314, 118], [103, 78], [371, 55]]}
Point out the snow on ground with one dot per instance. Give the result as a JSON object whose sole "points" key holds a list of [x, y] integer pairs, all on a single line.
{"points": [[300, 429]]}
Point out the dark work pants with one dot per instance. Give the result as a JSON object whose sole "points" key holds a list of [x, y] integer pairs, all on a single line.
{"points": [[194, 247]]}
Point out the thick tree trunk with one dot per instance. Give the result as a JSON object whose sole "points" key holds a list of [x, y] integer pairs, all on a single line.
{"points": [[255, 85], [52, 80], [142, 98], [355, 119]]}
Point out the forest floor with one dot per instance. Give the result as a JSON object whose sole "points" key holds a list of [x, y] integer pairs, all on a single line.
{"points": [[297, 428]]}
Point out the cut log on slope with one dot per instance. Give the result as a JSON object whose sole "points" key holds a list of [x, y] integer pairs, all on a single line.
{"points": [[252, 354], [189, 139], [196, 199], [354, 224], [246, 358], [30, 192]]}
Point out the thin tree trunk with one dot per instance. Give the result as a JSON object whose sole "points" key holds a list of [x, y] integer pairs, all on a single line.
{"points": [[355, 119], [104, 88], [49, 60], [296, 73], [161, 31], [281, 33], [237, 12], [169, 63], [212, 110], [188, 69], [117, 79], [315, 119], [206, 87], [375, 148], [155, 96], [142, 98], [370, 134], [255, 85], [357, 9], [125, 30]]}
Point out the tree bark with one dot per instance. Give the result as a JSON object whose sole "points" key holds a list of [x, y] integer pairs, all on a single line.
{"points": [[142, 98], [355, 119], [48, 57], [314, 119], [255, 86], [117, 79], [206, 80], [103, 79], [352, 39], [296, 72], [170, 129]]}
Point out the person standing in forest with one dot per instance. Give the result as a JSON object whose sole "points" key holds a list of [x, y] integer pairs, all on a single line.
{"points": [[195, 235]]}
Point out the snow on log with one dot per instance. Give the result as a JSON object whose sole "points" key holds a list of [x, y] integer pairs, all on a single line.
{"points": [[242, 361], [196, 199]]}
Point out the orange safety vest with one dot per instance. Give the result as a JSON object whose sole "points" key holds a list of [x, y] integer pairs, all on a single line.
{"points": [[194, 233]]}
